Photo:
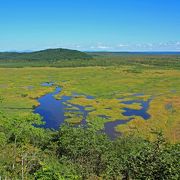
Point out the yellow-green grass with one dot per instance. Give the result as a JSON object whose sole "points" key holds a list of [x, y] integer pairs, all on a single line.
{"points": [[106, 84], [112, 108]]}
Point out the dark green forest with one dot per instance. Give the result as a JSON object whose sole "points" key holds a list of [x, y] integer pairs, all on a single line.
{"points": [[44, 55]]}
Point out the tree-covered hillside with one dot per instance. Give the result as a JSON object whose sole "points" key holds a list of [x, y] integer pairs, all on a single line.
{"points": [[46, 55]]}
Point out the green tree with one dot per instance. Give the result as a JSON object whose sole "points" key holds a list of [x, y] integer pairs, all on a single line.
{"points": [[22, 141], [157, 160]]}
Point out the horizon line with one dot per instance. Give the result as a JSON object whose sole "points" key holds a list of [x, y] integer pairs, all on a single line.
{"points": [[89, 51]]}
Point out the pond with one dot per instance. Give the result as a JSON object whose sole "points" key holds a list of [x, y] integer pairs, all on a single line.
{"points": [[53, 110], [142, 112]]}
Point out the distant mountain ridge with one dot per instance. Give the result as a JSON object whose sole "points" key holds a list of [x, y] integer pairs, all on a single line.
{"points": [[46, 55]]}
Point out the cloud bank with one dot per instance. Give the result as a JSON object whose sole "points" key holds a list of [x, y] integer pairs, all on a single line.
{"points": [[160, 46]]}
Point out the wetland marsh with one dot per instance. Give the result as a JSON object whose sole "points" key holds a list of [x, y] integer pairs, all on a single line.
{"points": [[101, 96]]}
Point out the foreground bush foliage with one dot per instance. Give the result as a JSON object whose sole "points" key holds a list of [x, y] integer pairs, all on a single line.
{"points": [[28, 152]]}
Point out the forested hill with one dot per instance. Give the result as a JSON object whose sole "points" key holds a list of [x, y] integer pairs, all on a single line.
{"points": [[46, 55]]}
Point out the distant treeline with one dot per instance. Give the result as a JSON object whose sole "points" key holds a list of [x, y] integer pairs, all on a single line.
{"points": [[45, 55], [72, 58]]}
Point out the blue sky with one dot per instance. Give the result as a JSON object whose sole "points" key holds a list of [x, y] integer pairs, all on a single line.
{"points": [[104, 25]]}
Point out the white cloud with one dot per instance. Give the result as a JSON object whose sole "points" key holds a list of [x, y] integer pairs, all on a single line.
{"points": [[149, 46], [77, 46], [122, 45], [178, 43], [103, 47], [92, 47]]}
